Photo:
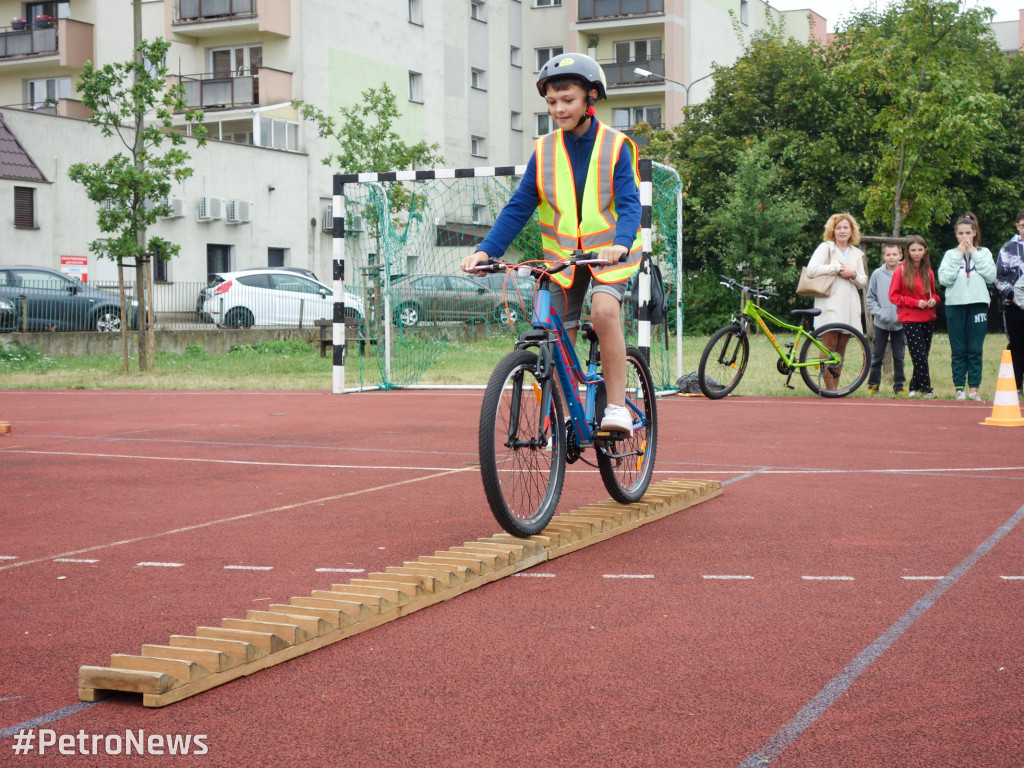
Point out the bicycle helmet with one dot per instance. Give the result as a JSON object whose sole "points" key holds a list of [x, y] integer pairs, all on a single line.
{"points": [[575, 65]]}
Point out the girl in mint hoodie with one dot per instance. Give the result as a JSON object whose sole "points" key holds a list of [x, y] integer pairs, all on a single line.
{"points": [[966, 271]]}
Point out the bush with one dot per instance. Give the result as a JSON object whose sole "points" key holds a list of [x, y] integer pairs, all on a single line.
{"points": [[18, 357]]}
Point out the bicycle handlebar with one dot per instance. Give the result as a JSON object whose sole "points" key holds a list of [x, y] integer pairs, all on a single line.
{"points": [[578, 257], [728, 282]]}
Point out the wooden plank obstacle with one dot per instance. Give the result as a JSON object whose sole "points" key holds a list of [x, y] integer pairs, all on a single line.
{"points": [[191, 664]]}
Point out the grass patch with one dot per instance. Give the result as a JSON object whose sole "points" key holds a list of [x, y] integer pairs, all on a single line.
{"points": [[297, 365]]}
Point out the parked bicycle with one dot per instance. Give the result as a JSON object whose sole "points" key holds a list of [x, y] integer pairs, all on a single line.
{"points": [[525, 438], [825, 372]]}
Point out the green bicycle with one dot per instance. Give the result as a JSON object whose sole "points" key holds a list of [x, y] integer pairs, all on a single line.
{"points": [[833, 361]]}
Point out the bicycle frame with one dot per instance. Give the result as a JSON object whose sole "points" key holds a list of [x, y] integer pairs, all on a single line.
{"points": [[566, 365], [759, 316]]}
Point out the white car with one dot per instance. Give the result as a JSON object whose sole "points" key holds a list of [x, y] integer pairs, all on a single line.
{"points": [[270, 297]]}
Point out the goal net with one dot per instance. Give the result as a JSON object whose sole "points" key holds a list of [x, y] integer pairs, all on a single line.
{"points": [[411, 313]]}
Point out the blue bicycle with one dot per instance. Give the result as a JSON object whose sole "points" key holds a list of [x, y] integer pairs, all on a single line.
{"points": [[525, 440]]}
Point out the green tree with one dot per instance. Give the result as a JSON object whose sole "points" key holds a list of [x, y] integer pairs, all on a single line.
{"points": [[931, 67], [367, 142], [130, 100], [761, 220]]}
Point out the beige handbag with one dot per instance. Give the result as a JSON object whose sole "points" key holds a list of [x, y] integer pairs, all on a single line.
{"points": [[815, 287]]}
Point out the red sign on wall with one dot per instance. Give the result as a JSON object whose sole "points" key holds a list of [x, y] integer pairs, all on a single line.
{"points": [[75, 266]]}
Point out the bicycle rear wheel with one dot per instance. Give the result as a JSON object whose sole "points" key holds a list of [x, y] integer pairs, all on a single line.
{"points": [[724, 361], [627, 465], [836, 380], [522, 451]]}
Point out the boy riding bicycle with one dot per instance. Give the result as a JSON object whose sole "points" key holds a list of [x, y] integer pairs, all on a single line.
{"points": [[587, 190]]}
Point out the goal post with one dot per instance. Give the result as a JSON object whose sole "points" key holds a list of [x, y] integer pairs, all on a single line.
{"points": [[398, 238]]}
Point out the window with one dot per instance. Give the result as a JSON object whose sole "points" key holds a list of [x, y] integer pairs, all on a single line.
{"points": [[479, 211], [416, 12], [544, 55], [236, 61], [544, 124], [744, 12], [477, 10], [517, 121], [478, 79], [25, 207], [44, 93], [159, 270], [218, 258], [276, 133], [416, 87], [478, 146], [546, 3], [275, 257], [638, 50], [623, 119], [515, 56]]}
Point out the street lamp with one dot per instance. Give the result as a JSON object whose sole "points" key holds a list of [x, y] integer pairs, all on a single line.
{"points": [[686, 88]]}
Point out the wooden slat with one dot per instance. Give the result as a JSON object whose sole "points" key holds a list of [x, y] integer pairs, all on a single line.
{"points": [[236, 649], [334, 618], [355, 609], [376, 603], [185, 671], [292, 634], [265, 641], [215, 661], [428, 584], [312, 625], [132, 681]]}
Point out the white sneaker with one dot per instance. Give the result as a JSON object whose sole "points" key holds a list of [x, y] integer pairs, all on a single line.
{"points": [[975, 396], [617, 418], [960, 395]]}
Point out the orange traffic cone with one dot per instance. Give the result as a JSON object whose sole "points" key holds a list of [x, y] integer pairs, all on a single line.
{"points": [[1005, 405]]}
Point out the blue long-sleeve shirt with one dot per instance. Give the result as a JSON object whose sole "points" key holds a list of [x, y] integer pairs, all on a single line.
{"points": [[524, 200]]}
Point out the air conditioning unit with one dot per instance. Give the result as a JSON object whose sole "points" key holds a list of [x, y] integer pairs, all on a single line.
{"points": [[239, 212], [177, 206], [210, 208], [353, 224], [327, 222]]}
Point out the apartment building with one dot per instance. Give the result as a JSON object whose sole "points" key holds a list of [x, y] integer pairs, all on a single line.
{"points": [[463, 71]]}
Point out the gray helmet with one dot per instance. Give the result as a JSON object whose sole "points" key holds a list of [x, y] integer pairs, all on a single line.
{"points": [[576, 65]]}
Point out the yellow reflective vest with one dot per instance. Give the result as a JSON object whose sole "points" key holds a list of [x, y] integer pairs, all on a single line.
{"points": [[561, 229]]}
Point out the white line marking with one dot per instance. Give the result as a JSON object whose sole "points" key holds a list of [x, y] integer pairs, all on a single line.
{"points": [[8, 557], [629, 576], [534, 575], [235, 518], [827, 578], [340, 570], [248, 567], [159, 565], [725, 577], [923, 578], [74, 560], [1012, 578]]}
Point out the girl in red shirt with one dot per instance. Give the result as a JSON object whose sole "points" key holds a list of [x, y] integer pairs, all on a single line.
{"points": [[912, 290]]}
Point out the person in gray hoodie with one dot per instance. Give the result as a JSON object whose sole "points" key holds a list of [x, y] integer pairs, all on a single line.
{"points": [[888, 330]]}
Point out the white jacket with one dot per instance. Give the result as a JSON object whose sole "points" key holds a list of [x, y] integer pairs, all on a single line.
{"points": [[842, 305]]}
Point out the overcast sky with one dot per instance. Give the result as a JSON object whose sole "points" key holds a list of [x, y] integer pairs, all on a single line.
{"points": [[832, 10]]}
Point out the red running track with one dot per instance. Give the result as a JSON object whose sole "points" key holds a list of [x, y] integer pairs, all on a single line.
{"points": [[853, 598]]}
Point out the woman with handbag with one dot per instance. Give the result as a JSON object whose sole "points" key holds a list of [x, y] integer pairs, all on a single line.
{"points": [[838, 257]]}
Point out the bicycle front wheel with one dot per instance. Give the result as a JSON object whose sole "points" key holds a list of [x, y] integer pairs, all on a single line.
{"points": [[627, 465], [522, 450], [837, 379], [723, 362]]}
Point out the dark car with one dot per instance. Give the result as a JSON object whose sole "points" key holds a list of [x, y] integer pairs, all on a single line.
{"points": [[438, 298], [8, 315], [54, 301], [517, 289]]}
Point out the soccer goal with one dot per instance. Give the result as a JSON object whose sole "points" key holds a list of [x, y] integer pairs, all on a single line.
{"points": [[398, 239]]}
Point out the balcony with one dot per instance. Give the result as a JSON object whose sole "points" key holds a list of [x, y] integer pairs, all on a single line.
{"points": [[591, 10], [67, 43], [208, 18], [621, 74], [60, 107], [261, 88]]}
